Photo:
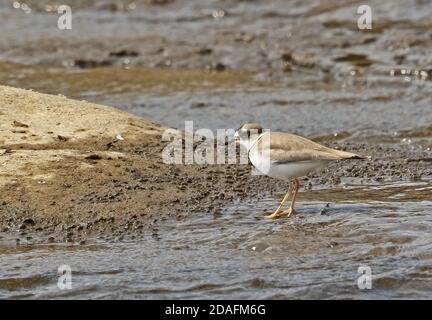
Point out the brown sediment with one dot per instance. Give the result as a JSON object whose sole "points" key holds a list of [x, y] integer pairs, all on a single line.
{"points": [[107, 175], [118, 80]]}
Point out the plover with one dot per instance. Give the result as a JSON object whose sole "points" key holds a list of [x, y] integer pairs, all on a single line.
{"points": [[287, 157]]}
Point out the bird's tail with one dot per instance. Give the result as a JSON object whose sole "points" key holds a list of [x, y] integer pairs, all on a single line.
{"points": [[349, 155]]}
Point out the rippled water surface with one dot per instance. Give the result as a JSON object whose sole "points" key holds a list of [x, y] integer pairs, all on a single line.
{"points": [[239, 254]]}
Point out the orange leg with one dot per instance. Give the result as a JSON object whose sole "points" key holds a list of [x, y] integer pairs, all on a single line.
{"points": [[276, 214], [288, 212]]}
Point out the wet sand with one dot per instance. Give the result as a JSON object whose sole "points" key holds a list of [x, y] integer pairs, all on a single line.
{"points": [[70, 169]]}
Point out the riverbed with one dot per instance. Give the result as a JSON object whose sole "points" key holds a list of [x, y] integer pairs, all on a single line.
{"points": [[239, 254]]}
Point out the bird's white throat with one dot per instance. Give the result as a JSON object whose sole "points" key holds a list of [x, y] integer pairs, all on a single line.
{"points": [[247, 144]]}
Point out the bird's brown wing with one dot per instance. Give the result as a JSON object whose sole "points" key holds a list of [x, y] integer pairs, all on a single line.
{"points": [[286, 147]]}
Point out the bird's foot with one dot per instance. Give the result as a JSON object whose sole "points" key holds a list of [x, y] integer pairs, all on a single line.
{"points": [[274, 215], [286, 213]]}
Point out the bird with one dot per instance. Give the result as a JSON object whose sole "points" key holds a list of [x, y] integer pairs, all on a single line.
{"points": [[286, 157]]}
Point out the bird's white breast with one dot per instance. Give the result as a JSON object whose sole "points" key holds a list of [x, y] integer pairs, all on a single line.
{"points": [[285, 171]]}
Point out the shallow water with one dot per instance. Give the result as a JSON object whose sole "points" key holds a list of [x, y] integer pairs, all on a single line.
{"points": [[240, 254], [379, 113]]}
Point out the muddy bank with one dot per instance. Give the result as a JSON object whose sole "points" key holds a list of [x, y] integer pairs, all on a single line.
{"points": [[71, 169]]}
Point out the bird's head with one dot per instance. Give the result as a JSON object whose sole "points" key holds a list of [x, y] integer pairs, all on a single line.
{"points": [[247, 134]]}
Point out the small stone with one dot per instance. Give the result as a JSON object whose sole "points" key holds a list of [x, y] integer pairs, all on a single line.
{"points": [[62, 138], [94, 157], [204, 51], [124, 53], [333, 244], [324, 212], [198, 105], [219, 67], [27, 223], [20, 124]]}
